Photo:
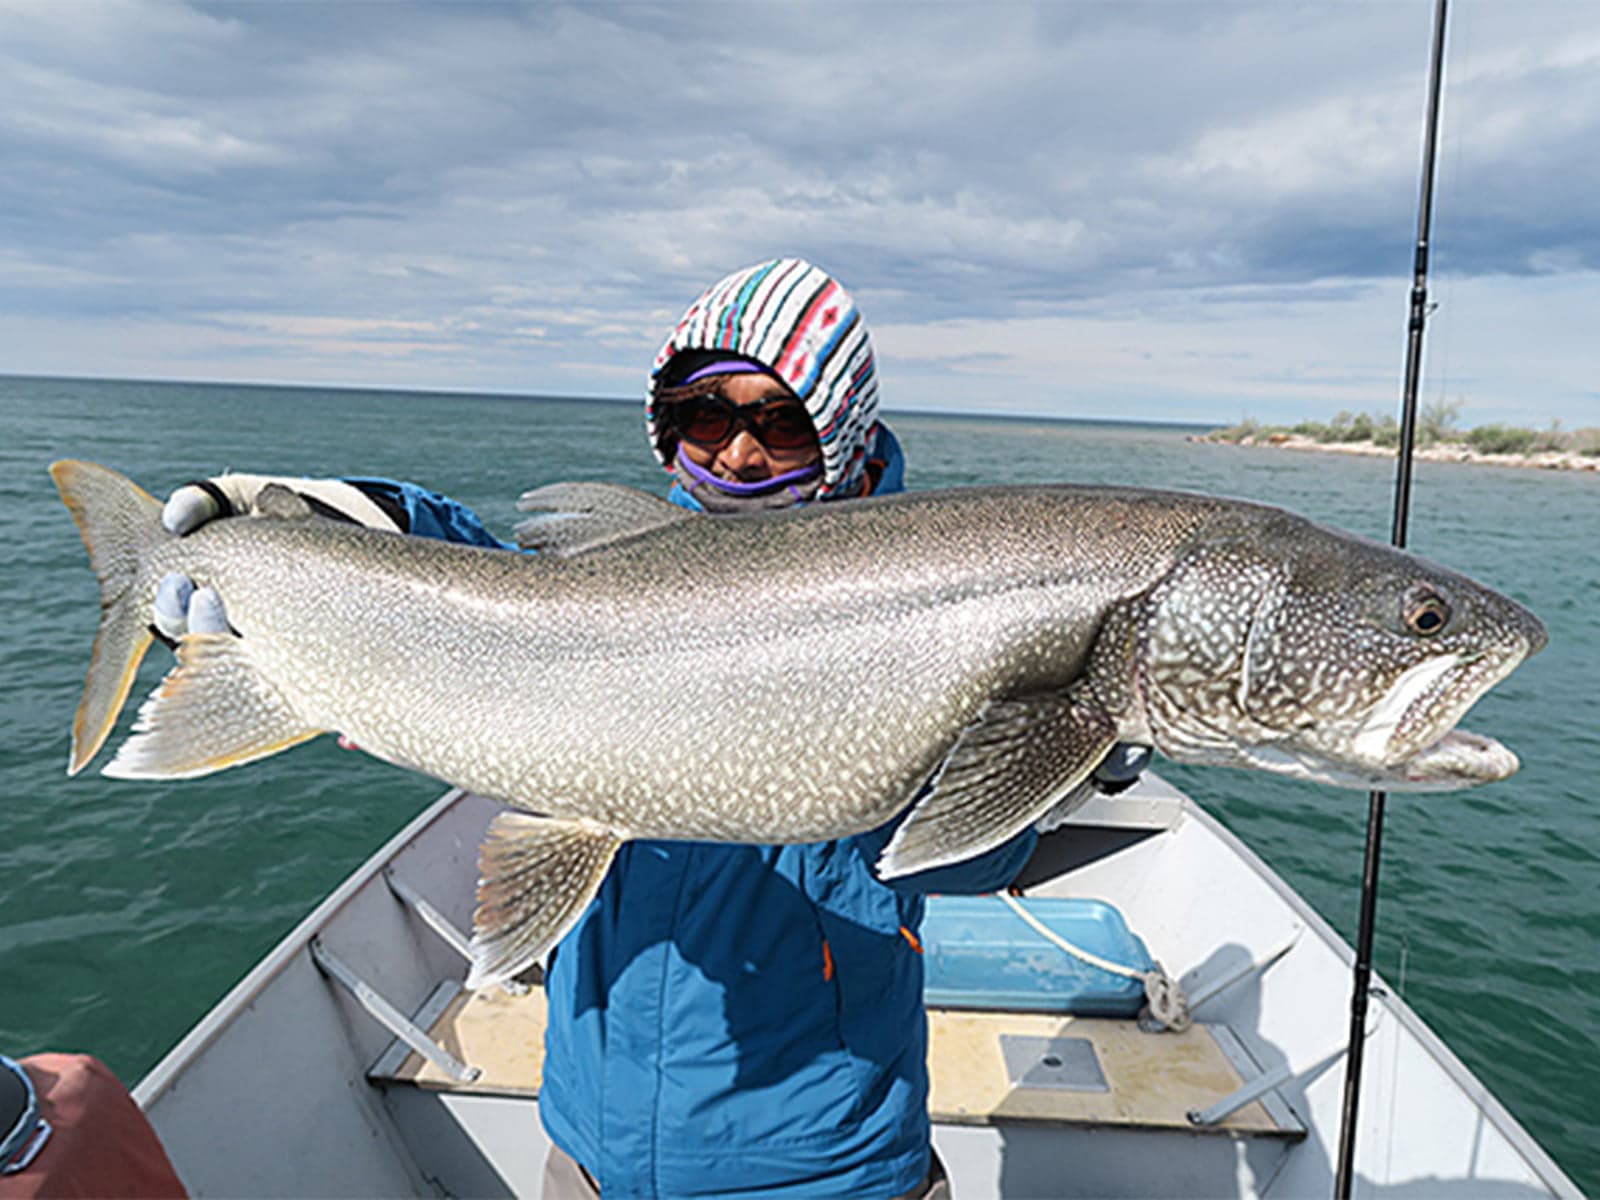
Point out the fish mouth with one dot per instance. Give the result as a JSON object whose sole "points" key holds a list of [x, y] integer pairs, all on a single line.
{"points": [[1429, 700], [1459, 759], [1408, 741]]}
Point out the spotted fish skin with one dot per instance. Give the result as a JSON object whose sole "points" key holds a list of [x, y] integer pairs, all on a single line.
{"points": [[799, 675]]}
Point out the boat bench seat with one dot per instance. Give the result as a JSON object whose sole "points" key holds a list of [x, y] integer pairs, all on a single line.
{"points": [[987, 1067], [991, 1068]]}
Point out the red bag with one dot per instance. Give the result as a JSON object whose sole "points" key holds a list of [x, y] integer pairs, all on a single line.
{"points": [[101, 1145]]}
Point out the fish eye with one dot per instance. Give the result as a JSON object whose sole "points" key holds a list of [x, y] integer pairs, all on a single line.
{"points": [[1426, 612]]}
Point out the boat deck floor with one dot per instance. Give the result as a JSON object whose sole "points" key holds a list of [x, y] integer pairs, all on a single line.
{"points": [[987, 1067]]}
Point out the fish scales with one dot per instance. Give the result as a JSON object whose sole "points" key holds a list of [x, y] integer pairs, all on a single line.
{"points": [[799, 675], [666, 658]]}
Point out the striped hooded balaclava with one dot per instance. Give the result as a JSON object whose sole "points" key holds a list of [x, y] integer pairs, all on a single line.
{"points": [[803, 327]]}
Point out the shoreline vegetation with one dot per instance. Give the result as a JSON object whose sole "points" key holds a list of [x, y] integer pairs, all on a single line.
{"points": [[1437, 439]]}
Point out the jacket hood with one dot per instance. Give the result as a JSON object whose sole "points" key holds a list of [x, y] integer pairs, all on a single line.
{"points": [[802, 326]]}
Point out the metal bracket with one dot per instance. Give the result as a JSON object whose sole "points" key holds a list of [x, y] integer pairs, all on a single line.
{"points": [[1202, 991], [440, 924], [431, 916], [1066, 1064], [389, 1016], [1250, 1092], [1263, 1087]]}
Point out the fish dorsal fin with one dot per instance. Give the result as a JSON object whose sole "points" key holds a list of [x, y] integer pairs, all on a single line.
{"points": [[281, 502], [1005, 771], [569, 518]]}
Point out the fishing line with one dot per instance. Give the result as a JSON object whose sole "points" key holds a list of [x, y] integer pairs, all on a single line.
{"points": [[1391, 1130], [1446, 333]]}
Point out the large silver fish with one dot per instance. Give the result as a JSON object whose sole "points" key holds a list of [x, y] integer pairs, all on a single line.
{"points": [[793, 676]]}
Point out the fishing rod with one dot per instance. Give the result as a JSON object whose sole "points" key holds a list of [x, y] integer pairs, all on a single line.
{"points": [[1362, 983]]}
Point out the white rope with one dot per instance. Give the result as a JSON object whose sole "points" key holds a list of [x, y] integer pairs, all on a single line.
{"points": [[1050, 935], [1164, 999]]}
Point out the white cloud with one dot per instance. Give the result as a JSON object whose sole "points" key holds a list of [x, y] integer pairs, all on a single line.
{"points": [[1179, 206], [1332, 147]]}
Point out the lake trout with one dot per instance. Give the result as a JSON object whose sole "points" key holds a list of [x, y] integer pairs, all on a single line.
{"points": [[792, 676]]}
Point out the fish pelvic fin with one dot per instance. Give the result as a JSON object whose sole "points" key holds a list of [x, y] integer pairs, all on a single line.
{"points": [[119, 521], [1004, 772], [536, 876], [213, 710]]}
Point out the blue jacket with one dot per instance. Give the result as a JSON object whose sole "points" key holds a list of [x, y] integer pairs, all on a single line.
{"points": [[741, 1020]]}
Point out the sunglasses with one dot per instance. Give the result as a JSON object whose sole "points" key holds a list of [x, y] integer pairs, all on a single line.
{"points": [[711, 420], [23, 1132]]}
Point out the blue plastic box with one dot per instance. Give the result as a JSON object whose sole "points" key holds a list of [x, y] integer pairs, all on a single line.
{"points": [[980, 954]]}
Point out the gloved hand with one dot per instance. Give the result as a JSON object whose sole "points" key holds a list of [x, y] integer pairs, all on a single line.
{"points": [[1118, 770], [183, 608], [192, 505]]}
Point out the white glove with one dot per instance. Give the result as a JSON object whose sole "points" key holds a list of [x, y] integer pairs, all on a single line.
{"points": [[181, 607], [192, 505]]}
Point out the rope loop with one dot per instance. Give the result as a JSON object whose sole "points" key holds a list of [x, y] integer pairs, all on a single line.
{"points": [[1165, 1002]]}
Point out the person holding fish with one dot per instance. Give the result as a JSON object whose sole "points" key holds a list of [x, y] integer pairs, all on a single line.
{"points": [[723, 1018]]}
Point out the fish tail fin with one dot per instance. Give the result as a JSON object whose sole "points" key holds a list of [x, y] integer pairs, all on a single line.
{"points": [[536, 876], [118, 521]]}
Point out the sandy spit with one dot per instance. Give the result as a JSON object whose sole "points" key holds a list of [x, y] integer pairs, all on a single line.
{"points": [[1544, 460]]}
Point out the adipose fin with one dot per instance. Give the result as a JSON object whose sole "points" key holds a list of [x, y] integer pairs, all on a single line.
{"points": [[286, 504], [570, 518]]}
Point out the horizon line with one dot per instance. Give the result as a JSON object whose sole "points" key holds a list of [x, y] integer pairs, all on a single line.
{"points": [[952, 414]]}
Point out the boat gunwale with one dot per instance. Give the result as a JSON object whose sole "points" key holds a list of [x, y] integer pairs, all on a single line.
{"points": [[1521, 1141], [221, 1015]]}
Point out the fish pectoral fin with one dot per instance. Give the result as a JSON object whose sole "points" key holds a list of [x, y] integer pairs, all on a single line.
{"points": [[213, 710], [1004, 772], [570, 518], [536, 875]]}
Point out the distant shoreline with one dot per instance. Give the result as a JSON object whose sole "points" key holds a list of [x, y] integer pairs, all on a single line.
{"points": [[1457, 452]]}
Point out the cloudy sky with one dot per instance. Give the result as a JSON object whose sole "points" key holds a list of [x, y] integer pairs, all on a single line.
{"points": [[1177, 211]]}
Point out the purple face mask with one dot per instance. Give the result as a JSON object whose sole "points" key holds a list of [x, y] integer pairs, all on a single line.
{"points": [[729, 495]]}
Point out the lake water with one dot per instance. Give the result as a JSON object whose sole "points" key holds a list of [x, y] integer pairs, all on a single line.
{"points": [[127, 909]]}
